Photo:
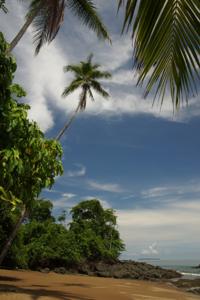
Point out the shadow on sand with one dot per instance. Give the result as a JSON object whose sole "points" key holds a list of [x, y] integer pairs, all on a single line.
{"points": [[9, 278], [37, 293]]}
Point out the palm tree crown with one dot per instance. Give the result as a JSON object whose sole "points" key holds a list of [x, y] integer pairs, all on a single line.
{"points": [[166, 36], [86, 78], [48, 15]]}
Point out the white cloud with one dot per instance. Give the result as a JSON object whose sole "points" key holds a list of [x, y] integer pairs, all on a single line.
{"points": [[150, 250], [81, 171], [190, 187], [175, 227], [156, 192], [107, 187], [68, 196]]}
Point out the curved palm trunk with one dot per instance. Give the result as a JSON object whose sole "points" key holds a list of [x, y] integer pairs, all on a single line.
{"points": [[13, 235], [67, 124], [22, 31]]}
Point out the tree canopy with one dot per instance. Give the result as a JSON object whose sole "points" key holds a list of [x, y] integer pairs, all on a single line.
{"points": [[29, 162], [95, 229], [43, 242]]}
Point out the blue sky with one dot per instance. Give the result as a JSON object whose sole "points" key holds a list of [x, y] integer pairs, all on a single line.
{"points": [[139, 160]]}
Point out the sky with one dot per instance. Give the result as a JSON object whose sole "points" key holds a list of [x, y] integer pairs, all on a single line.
{"points": [[141, 160]]}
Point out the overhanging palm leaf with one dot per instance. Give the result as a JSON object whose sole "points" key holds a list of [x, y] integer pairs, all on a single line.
{"points": [[48, 15], [86, 11], [167, 43], [86, 75], [47, 21]]}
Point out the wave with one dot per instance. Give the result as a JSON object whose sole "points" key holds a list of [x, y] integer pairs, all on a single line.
{"points": [[189, 274]]}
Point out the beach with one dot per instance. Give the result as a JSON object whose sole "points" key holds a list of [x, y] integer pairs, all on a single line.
{"points": [[29, 285]]}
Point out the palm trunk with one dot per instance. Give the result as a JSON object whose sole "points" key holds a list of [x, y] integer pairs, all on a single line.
{"points": [[12, 236], [22, 30], [66, 126]]}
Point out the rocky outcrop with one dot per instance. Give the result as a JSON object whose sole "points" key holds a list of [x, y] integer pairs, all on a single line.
{"points": [[122, 269], [127, 269]]}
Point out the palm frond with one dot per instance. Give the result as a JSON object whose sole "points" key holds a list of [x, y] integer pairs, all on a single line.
{"points": [[96, 74], [98, 88], [76, 69], [74, 85], [90, 94], [167, 44], [47, 21], [89, 58], [86, 11]]}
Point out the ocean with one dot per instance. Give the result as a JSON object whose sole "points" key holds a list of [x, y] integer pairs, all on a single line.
{"points": [[185, 267]]}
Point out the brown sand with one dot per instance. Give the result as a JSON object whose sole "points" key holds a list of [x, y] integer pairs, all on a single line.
{"points": [[27, 285]]}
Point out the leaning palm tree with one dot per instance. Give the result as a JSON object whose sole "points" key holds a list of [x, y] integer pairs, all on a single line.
{"points": [[166, 36], [48, 15], [87, 75]]}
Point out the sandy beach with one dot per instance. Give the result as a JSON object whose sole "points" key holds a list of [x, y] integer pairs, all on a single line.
{"points": [[28, 285]]}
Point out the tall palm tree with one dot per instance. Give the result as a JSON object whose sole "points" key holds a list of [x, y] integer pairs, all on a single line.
{"points": [[86, 75], [166, 37], [47, 17]]}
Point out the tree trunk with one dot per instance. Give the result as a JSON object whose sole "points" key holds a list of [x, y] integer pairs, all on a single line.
{"points": [[22, 31], [12, 236], [66, 126]]}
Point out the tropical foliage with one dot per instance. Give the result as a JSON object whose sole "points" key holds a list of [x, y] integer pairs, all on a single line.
{"points": [[86, 79], [43, 242], [28, 161], [166, 38], [47, 17], [95, 229]]}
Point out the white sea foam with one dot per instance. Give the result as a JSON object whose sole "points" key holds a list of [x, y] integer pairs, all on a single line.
{"points": [[189, 274]]}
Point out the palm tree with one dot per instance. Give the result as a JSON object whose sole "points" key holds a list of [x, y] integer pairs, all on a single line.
{"points": [[86, 78], [47, 17], [166, 36]]}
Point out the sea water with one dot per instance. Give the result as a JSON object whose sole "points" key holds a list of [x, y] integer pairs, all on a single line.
{"points": [[185, 267]]}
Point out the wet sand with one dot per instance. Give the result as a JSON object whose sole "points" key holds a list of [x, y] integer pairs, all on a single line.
{"points": [[28, 285]]}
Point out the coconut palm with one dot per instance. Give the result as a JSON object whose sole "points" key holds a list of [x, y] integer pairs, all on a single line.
{"points": [[166, 37], [86, 78], [47, 17]]}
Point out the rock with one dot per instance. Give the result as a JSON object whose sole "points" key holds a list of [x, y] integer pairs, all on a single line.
{"points": [[118, 269], [189, 285], [196, 267], [194, 290], [127, 269], [44, 270], [60, 270]]}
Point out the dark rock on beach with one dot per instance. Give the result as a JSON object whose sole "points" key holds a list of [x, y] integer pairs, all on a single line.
{"points": [[189, 285], [122, 269], [196, 267]]}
